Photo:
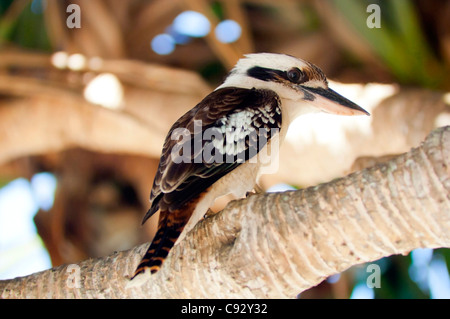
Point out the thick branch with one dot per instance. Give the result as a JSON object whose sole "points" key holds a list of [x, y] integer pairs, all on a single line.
{"points": [[279, 244]]}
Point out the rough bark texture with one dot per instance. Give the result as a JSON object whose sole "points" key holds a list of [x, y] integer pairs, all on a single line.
{"points": [[279, 244]]}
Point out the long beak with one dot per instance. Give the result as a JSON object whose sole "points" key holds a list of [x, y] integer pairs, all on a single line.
{"points": [[332, 102]]}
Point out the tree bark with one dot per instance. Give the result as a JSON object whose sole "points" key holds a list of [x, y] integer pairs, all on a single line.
{"points": [[279, 244]]}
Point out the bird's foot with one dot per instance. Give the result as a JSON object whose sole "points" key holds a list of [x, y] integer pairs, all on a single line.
{"points": [[256, 190], [249, 194], [209, 213]]}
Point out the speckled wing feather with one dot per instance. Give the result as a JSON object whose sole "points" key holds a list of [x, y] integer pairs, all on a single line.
{"points": [[221, 113]]}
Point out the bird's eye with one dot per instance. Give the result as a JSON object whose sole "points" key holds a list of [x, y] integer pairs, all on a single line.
{"points": [[294, 75]]}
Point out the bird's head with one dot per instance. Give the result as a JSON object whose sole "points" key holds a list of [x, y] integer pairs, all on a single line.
{"points": [[294, 80]]}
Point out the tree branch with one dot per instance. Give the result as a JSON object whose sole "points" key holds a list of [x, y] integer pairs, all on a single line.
{"points": [[26, 117], [280, 244]]}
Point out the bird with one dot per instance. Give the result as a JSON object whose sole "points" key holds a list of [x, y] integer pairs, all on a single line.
{"points": [[214, 149]]}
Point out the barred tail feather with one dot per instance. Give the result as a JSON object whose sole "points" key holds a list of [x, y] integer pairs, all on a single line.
{"points": [[170, 227], [164, 240]]}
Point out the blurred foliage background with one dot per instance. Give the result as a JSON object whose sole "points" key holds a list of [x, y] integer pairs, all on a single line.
{"points": [[411, 48]]}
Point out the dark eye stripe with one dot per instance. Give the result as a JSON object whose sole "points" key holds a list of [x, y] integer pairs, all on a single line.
{"points": [[266, 74]]}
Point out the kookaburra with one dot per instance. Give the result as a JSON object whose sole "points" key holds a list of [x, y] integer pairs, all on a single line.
{"points": [[213, 149]]}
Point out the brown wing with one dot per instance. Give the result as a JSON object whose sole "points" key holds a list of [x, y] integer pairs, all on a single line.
{"points": [[238, 123]]}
